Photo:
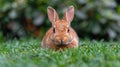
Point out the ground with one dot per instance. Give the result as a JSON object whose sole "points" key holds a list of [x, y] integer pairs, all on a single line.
{"points": [[28, 53]]}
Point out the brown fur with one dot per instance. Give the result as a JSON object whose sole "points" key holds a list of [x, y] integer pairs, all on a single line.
{"points": [[61, 38]]}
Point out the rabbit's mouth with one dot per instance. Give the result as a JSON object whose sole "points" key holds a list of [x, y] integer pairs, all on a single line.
{"points": [[61, 42]]}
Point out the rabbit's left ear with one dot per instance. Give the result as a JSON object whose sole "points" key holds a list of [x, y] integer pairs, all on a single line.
{"points": [[69, 14], [52, 14]]}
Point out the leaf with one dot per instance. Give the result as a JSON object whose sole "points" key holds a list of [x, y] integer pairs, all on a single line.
{"points": [[109, 14], [96, 29], [12, 14], [82, 1], [112, 34], [110, 3], [38, 18], [80, 14]]}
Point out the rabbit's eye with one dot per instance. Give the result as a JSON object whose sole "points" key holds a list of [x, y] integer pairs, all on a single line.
{"points": [[68, 30], [54, 30]]}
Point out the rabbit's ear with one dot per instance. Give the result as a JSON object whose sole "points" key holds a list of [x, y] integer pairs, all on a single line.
{"points": [[69, 14], [52, 14]]}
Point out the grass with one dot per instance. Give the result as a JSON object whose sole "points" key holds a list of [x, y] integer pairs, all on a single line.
{"points": [[28, 53]]}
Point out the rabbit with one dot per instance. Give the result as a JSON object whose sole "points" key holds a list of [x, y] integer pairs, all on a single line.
{"points": [[61, 35]]}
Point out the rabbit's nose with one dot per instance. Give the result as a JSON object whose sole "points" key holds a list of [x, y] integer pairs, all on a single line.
{"points": [[63, 42], [60, 42]]}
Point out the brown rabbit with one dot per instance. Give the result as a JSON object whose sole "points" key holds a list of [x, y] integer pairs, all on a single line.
{"points": [[61, 35]]}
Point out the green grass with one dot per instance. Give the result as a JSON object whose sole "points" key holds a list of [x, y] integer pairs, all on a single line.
{"points": [[28, 53]]}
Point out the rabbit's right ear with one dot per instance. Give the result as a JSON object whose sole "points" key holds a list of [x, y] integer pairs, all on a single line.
{"points": [[52, 14], [69, 14]]}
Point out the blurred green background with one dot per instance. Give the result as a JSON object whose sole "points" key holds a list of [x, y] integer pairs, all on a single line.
{"points": [[94, 19]]}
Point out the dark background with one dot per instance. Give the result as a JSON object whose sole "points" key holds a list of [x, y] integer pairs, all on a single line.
{"points": [[94, 19]]}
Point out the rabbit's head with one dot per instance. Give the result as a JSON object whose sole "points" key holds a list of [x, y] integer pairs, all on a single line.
{"points": [[61, 29]]}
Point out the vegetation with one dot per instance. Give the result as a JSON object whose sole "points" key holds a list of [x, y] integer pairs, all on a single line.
{"points": [[96, 19], [28, 53]]}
